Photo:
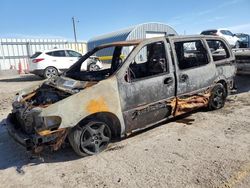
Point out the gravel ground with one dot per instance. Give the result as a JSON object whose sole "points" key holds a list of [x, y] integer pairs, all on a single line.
{"points": [[203, 149]]}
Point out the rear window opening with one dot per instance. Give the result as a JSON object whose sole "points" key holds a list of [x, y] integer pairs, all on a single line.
{"points": [[36, 55], [210, 32], [59, 53]]}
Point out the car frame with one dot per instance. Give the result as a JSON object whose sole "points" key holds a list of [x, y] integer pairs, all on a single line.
{"points": [[115, 106]]}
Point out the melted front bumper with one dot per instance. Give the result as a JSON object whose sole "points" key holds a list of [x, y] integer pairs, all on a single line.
{"points": [[35, 141], [18, 135]]}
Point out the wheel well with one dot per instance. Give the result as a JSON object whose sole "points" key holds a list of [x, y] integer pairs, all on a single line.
{"points": [[52, 67], [92, 62], [224, 83], [110, 119]]}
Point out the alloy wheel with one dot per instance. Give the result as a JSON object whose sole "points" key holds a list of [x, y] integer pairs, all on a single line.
{"points": [[95, 138]]}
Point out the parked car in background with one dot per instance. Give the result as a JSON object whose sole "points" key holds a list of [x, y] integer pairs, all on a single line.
{"points": [[242, 56], [231, 38], [244, 40], [53, 62], [160, 79]]}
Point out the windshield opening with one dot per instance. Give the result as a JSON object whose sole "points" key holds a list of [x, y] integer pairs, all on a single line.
{"points": [[227, 32], [100, 63], [243, 38]]}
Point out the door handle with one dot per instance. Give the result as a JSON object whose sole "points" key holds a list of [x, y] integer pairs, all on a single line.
{"points": [[183, 77], [168, 80]]}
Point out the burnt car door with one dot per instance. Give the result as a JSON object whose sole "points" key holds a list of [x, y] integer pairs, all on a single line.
{"points": [[195, 70], [147, 85]]}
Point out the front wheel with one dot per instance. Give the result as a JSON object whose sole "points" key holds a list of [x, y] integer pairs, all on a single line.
{"points": [[218, 97], [90, 139], [50, 72]]}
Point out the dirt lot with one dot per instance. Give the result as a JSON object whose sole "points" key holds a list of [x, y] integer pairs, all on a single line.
{"points": [[204, 149]]}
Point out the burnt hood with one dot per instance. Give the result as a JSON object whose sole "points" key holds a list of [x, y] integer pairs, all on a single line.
{"points": [[69, 85]]}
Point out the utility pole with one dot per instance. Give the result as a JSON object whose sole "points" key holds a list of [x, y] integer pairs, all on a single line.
{"points": [[74, 28]]}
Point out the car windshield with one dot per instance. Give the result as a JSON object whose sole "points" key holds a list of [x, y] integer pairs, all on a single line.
{"points": [[227, 32], [107, 60], [243, 38]]}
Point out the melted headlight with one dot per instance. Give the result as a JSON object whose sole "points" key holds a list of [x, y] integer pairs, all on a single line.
{"points": [[52, 122]]}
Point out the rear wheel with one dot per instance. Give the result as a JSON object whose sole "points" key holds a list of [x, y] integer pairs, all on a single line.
{"points": [[218, 97], [90, 139], [50, 72]]}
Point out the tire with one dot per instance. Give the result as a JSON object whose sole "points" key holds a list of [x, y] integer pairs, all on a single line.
{"points": [[218, 97], [50, 72], [90, 139], [93, 67]]}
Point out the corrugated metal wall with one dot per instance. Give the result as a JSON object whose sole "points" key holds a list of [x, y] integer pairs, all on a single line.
{"points": [[13, 51], [141, 30], [108, 38], [132, 33]]}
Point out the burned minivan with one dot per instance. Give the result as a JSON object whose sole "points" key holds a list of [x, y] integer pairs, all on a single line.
{"points": [[147, 82]]}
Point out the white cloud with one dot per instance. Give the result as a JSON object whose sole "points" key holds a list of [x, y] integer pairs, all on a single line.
{"points": [[219, 6], [178, 20], [242, 28], [216, 18], [203, 12], [231, 2]]}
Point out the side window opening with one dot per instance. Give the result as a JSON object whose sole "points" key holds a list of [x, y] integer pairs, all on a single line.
{"points": [[218, 49], [59, 53], [150, 60], [71, 53], [191, 54]]}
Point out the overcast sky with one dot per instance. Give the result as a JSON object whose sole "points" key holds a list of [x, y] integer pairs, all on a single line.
{"points": [[53, 18]]}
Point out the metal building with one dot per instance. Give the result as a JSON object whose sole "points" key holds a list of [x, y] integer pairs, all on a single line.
{"points": [[145, 30]]}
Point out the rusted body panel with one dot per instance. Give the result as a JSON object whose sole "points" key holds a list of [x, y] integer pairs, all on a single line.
{"points": [[102, 97], [49, 111], [75, 108], [191, 103]]}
